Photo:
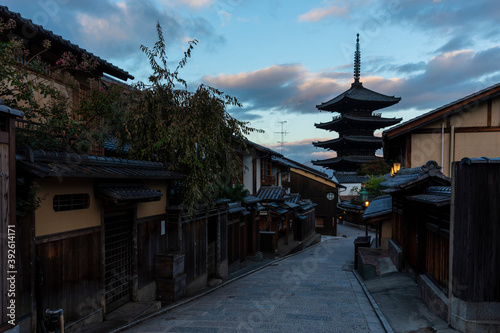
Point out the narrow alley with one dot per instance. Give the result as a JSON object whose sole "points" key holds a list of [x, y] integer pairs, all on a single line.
{"points": [[312, 291]]}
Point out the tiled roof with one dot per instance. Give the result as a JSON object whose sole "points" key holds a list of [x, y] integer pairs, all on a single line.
{"points": [[358, 93], [332, 162], [307, 205], [56, 164], [437, 200], [351, 139], [293, 164], [368, 122], [407, 177], [436, 195], [128, 192], [292, 198], [40, 33], [348, 205], [250, 199], [271, 193], [468, 160], [236, 207], [7, 110], [262, 148], [379, 206], [349, 177]]}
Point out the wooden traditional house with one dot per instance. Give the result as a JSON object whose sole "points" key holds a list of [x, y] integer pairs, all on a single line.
{"points": [[62, 257], [351, 182], [378, 215], [314, 185], [287, 223], [468, 127], [421, 229], [275, 221], [95, 233], [258, 167]]}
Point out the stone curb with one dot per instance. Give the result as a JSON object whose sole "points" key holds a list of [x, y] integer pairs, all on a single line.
{"points": [[374, 304]]}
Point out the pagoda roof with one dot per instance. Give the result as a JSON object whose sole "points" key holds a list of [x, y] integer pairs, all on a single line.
{"points": [[342, 163], [358, 97], [349, 139], [372, 122]]}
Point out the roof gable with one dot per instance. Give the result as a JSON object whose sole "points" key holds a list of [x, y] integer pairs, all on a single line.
{"points": [[457, 106]]}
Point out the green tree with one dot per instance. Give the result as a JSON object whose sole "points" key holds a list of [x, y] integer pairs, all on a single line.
{"points": [[193, 131], [372, 185], [376, 167]]}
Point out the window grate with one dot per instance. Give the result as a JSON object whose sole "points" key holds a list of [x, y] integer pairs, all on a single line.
{"points": [[65, 202]]}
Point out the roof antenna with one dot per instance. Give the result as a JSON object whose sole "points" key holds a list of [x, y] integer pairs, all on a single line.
{"points": [[357, 61], [283, 133]]}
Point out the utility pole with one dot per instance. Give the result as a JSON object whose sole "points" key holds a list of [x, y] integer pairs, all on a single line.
{"points": [[283, 133]]}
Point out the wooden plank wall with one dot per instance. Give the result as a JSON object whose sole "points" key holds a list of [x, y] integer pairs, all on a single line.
{"points": [[233, 238], [437, 255], [71, 274], [252, 225], [223, 237], [194, 246], [308, 224], [476, 238], [150, 242]]}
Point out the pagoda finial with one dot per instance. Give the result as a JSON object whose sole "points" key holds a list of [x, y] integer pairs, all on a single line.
{"points": [[357, 61]]}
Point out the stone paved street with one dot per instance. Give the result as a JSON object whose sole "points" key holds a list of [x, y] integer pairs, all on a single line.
{"points": [[312, 291]]}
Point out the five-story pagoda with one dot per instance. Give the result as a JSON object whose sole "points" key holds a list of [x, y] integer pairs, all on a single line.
{"points": [[356, 123]]}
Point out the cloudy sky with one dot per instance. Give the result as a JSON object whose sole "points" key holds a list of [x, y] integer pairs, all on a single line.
{"points": [[281, 58]]}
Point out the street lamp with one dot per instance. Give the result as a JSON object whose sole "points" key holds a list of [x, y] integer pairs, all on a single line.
{"points": [[364, 196], [395, 168]]}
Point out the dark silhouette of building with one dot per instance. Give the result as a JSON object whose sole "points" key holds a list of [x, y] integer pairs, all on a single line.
{"points": [[356, 123]]}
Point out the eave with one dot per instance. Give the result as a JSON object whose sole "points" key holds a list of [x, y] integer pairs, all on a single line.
{"points": [[447, 110], [358, 95], [27, 29], [371, 122], [354, 140]]}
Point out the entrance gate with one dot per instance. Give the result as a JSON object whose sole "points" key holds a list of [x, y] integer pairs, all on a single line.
{"points": [[117, 258]]}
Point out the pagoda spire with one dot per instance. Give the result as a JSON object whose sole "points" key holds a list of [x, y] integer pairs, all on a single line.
{"points": [[357, 61]]}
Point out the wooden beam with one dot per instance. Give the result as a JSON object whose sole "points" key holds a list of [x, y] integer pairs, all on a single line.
{"points": [[489, 113], [469, 129], [408, 151]]}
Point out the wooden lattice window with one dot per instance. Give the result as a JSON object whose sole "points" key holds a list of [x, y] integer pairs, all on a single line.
{"points": [[65, 202], [265, 167]]}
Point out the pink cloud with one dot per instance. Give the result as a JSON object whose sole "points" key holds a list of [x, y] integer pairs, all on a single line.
{"points": [[318, 14]]}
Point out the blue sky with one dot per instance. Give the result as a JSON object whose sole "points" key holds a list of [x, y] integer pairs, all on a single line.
{"points": [[282, 58]]}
